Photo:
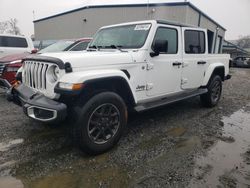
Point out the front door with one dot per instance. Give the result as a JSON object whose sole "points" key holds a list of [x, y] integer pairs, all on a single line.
{"points": [[164, 70]]}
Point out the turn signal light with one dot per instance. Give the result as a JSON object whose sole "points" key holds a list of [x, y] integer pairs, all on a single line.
{"points": [[70, 86], [77, 86]]}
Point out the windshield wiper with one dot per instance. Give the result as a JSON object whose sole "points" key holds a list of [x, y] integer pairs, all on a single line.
{"points": [[94, 47], [110, 46], [115, 47]]}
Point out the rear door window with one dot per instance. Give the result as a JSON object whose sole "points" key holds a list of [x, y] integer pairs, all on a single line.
{"points": [[14, 42], [194, 42]]}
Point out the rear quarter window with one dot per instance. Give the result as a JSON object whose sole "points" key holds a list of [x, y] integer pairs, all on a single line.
{"points": [[14, 42]]}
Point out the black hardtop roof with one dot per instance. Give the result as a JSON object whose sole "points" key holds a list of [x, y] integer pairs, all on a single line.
{"points": [[175, 23]]}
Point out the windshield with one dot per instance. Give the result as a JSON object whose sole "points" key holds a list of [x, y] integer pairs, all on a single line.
{"points": [[46, 43], [57, 47], [78, 46], [129, 36]]}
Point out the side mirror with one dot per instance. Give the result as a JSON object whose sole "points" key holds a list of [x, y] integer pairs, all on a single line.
{"points": [[159, 46], [34, 51]]}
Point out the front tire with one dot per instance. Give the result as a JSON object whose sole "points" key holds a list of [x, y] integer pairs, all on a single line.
{"points": [[212, 97], [100, 123]]}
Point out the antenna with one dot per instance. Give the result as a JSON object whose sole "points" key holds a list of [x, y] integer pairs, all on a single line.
{"points": [[147, 9]]}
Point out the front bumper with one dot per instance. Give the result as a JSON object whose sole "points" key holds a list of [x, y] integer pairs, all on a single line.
{"points": [[36, 105]]}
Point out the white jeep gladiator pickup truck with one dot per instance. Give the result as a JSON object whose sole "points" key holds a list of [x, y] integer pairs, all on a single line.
{"points": [[131, 66]]}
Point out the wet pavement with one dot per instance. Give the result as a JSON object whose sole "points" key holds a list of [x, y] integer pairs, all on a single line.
{"points": [[180, 145], [227, 163]]}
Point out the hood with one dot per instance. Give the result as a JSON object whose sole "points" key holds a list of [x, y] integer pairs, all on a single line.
{"points": [[92, 58], [13, 57]]}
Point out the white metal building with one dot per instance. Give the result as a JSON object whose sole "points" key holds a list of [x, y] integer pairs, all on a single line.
{"points": [[85, 21]]}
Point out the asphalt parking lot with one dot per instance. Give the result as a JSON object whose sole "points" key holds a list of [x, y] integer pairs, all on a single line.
{"points": [[180, 145]]}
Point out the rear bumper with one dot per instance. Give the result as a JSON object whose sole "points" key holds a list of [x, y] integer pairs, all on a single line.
{"points": [[36, 105], [4, 84]]}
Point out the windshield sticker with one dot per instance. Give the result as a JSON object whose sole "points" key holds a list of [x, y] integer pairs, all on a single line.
{"points": [[142, 27]]}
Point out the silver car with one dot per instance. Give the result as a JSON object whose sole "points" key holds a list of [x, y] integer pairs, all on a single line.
{"points": [[242, 61]]}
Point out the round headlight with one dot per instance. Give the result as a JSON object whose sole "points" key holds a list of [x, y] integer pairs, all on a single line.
{"points": [[57, 72], [53, 74]]}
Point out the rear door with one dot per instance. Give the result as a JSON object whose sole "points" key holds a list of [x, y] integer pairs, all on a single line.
{"points": [[164, 70], [195, 53]]}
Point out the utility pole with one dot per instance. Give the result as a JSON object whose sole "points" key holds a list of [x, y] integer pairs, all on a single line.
{"points": [[33, 15]]}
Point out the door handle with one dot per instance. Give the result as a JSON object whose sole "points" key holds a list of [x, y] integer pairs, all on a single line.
{"points": [[177, 63], [201, 62]]}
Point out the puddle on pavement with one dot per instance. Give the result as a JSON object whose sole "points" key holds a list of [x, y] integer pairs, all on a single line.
{"points": [[106, 177], [177, 131], [157, 140], [227, 163], [161, 171], [189, 144], [151, 143], [85, 172], [7, 181], [10, 182], [7, 145]]}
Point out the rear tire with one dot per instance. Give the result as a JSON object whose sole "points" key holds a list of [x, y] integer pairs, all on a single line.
{"points": [[212, 97], [100, 123]]}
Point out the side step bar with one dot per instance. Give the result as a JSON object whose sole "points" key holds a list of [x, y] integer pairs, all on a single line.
{"points": [[169, 100]]}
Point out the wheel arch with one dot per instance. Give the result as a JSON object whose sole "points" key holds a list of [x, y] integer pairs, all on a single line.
{"points": [[115, 84], [103, 80], [218, 69]]}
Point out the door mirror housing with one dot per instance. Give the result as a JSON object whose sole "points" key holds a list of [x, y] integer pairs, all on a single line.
{"points": [[159, 46], [34, 51]]}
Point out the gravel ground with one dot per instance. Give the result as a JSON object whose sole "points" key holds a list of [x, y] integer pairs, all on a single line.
{"points": [[160, 147]]}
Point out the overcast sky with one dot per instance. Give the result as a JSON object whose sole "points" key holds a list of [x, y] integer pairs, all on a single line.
{"points": [[234, 15]]}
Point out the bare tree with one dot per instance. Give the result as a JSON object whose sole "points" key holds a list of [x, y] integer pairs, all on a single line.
{"points": [[244, 41], [13, 28], [3, 27], [10, 27]]}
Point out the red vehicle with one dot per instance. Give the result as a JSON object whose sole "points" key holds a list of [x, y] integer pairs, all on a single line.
{"points": [[10, 64]]}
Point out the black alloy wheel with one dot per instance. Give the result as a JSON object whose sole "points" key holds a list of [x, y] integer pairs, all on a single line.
{"points": [[100, 122], [103, 123], [212, 97]]}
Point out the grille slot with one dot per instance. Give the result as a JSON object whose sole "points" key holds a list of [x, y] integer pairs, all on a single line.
{"points": [[2, 66], [34, 74]]}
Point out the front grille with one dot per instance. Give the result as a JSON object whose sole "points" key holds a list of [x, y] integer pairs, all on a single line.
{"points": [[2, 66], [34, 74]]}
